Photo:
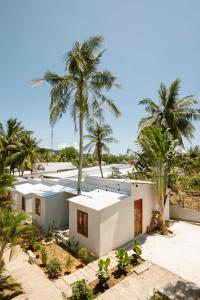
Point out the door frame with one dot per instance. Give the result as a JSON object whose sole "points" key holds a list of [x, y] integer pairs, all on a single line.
{"points": [[138, 202]]}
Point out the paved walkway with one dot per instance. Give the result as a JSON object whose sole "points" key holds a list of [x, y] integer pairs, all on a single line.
{"points": [[33, 280], [140, 287], [179, 254]]}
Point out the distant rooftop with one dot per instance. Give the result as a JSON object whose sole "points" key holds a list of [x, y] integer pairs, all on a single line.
{"points": [[98, 199]]}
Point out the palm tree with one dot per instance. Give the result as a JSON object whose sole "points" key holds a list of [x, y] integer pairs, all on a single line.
{"points": [[171, 112], [99, 135], [158, 148], [9, 141], [6, 182], [27, 153], [12, 230], [81, 89]]}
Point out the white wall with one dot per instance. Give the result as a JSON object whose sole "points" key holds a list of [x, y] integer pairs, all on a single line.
{"points": [[111, 184], [184, 214], [116, 225], [92, 242]]}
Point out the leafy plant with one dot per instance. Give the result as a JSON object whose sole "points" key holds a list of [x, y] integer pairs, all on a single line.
{"points": [[137, 249], [73, 245], [85, 255], [37, 246], [123, 260], [49, 233], [81, 291], [102, 273], [69, 263], [54, 268], [44, 256]]}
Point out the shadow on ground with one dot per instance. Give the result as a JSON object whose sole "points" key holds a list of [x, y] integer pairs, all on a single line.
{"points": [[183, 290]]}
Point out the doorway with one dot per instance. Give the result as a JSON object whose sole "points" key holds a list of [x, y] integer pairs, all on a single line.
{"points": [[137, 217]]}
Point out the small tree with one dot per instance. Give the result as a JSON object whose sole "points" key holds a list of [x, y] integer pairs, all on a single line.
{"points": [[81, 291], [54, 268], [44, 256], [122, 260], [69, 263], [102, 273], [49, 233]]}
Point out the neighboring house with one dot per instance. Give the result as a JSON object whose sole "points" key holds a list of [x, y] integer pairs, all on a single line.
{"points": [[45, 203], [103, 221], [54, 167]]}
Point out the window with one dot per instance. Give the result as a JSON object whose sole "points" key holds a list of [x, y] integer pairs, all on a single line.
{"points": [[82, 223], [23, 203], [37, 206]]}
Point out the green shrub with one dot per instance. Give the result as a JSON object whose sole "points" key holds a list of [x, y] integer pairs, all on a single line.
{"points": [[85, 255], [81, 291], [69, 263], [54, 268], [44, 256], [137, 249], [122, 260], [102, 273], [49, 233], [37, 246]]}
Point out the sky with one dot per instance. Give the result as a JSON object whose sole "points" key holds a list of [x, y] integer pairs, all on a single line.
{"points": [[146, 42]]}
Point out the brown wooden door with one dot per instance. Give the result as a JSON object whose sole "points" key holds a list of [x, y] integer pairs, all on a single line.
{"points": [[137, 217]]}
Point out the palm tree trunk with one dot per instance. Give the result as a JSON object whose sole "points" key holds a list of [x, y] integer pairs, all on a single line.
{"points": [[80, 153], [99, 160]]}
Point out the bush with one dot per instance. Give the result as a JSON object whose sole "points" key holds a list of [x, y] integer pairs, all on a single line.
{"points": [[54, 268], [37, 246], [85, 255], [102, 273], [81, 291], [123, 260], [137, 250], [44, 256], [49, 233], [69, 263]]}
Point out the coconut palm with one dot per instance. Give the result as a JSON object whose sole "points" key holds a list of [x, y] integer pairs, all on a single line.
{"points": [[27, 153], [158, 148], [99, 135], [9, 140], [81, 89], [171, 112]]}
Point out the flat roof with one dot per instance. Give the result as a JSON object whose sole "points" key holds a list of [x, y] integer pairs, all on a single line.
{"points": [[43, 190], [98, 199]]}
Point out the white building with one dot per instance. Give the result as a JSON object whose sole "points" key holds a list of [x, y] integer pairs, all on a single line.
{"points": [[108, 213], [45, 203], [102, 220]]}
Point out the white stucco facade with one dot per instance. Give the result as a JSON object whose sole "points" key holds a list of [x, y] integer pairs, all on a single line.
{"points": [[112, 225]]}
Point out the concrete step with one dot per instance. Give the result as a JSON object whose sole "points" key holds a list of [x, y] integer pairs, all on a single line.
{"points": [[142, 267], [61, 285]]}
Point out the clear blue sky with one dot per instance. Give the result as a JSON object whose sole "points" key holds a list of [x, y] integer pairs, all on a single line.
{"points": [[147, 42]]}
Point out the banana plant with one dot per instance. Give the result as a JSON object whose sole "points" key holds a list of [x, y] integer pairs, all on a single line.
{"points": [[102, 273], [123, 260]]}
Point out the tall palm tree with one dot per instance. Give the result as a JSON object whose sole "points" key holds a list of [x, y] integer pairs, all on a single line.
{"points": [[158, 148], [6, 182], [99, 135], [81, 89], [171, 112]]}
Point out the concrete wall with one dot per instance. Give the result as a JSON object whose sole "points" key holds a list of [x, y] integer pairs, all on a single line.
{"points": [[116, 225], [92, 242], [184, 214], [57, 209]]}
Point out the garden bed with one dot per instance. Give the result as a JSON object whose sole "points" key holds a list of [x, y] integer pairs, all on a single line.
{"points": [[114, 277], [56, 251]]}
